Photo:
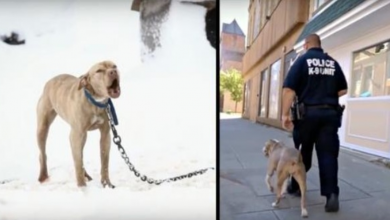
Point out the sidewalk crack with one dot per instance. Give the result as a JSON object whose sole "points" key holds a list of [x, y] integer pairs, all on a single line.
{"points": [[237, 158]]}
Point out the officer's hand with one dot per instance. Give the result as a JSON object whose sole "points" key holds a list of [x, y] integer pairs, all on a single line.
{"points": [[286, 122]]}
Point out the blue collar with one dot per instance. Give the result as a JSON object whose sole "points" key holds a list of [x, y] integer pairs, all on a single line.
{"points": [[93, 101], [102, 105]]}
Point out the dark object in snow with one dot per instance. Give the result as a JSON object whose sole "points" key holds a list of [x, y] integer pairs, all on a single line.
{"points": [[13, 39], [210, 20], [153, 13], [211, 26]]}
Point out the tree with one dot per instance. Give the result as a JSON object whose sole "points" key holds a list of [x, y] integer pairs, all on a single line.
{"points": [[232, 82]]}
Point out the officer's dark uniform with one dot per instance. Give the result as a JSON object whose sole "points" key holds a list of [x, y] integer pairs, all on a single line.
{"points": [[295, 132], [316, 79]]}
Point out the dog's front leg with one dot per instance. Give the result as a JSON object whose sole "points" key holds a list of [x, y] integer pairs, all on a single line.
{"points": [[77, 142], [105, 145], [270, 173], [268, 181]]}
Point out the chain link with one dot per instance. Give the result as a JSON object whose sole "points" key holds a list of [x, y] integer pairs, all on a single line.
{"points": [[117, 141]]}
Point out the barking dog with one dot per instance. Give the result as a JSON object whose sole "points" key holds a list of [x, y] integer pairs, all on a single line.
{"points": [[286, 162], [66, 95]]}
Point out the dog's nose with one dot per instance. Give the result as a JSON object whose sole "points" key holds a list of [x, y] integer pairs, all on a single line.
{"points": [[113, 72]]}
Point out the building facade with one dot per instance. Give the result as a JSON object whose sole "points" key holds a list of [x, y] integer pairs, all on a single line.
{"points": [[357, 34], [232, 48], [273, 29]]}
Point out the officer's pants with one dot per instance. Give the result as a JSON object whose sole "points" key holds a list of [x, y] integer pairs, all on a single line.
{"points": [[319, 127]]}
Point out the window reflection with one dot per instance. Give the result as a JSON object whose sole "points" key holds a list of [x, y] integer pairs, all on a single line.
{"points": [[263, 94], [371, 71], [274, 90]]}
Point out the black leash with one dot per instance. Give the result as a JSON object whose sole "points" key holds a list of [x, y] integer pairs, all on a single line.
{"points": [[117, 140]]}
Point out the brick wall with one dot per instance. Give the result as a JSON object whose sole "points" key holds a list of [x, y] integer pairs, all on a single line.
{"points": [[233, 42]]}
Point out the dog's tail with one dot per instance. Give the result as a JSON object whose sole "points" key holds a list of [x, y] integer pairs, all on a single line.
{"points": [[297, 160]]}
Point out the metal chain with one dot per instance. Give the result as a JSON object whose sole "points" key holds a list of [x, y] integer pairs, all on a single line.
{"points": [[117, 140]]}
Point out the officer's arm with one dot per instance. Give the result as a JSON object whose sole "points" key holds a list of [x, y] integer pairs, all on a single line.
{"points": [[290, 85], [342, 87], [342, 92], [287, 100]]}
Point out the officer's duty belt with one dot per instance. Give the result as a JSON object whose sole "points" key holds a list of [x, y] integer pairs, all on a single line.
{"points": [[320, 106]]}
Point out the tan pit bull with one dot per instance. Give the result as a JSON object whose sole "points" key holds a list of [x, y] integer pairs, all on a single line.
{"points": [[286, 161], [66, 95]]}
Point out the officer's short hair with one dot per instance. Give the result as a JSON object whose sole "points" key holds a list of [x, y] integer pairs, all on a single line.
{"points": [[314, 39]]}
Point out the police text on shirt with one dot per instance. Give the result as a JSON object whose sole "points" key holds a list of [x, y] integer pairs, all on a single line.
{"points": [[321, 66]]}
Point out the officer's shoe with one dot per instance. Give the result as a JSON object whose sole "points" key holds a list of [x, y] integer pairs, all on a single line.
{"points": [[332, 203], [292, 191]]}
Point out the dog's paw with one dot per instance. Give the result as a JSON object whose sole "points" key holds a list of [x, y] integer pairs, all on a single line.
{"points": [[108, 184], [304, 213], [275, 204], [43, 178]]}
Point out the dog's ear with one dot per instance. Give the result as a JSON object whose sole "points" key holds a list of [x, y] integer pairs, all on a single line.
{"points": [[83, 81], [272, 143]]}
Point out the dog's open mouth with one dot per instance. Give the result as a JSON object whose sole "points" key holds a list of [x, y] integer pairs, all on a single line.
{"points": [[114, 90]]}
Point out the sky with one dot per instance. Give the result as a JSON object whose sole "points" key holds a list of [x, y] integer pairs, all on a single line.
{"points": [[234, 9]]}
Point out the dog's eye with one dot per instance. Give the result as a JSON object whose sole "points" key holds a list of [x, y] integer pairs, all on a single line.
{"points": [[114, 66], [100, 71]]}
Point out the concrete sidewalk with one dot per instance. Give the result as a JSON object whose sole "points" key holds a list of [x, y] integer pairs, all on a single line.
{"points": [[364, 186]]}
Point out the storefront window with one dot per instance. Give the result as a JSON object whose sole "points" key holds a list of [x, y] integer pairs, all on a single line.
{"points": [[247, 91], [273, 108], [370, 75], [263, 93]]}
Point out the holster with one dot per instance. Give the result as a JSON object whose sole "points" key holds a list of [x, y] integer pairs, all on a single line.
{"points": [[301, 111], [340, 109], [297, 111]]}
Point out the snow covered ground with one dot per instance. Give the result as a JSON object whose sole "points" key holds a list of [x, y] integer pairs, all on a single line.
{"points": [[166, 112]]}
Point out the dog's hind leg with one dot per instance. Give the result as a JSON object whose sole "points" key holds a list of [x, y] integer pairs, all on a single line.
{"points": [[284, 187], [300, 177], [45, 117], [281, 178]]}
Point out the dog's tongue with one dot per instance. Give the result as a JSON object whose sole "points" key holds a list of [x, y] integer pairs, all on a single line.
{"points": [[115, 93]]}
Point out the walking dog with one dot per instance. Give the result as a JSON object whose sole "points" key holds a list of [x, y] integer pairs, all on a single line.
{"points": [[286, 162]]}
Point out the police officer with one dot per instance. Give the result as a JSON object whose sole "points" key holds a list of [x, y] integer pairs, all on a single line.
{"points": [[318, 81]]}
